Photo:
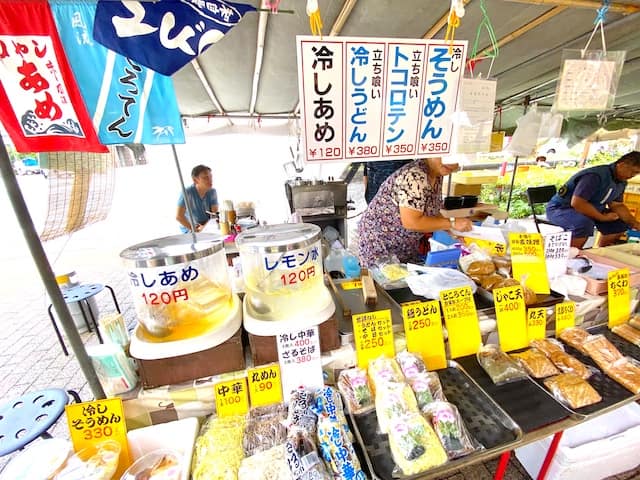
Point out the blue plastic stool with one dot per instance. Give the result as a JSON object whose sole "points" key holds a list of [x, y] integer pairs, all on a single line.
{"points": [[82, 294], [28, 417]]}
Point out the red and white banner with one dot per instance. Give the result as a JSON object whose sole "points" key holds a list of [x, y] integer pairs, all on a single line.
{"points": [[40, 105]]}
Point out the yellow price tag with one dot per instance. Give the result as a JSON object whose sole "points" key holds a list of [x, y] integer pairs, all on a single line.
{"points": [[423, 331], [536, 323], [461, 320], [265, 385], [565, 316], [352, 285], [619, 296], [232, 397], [489, 246], [92, 423], [527, 259], [511, 316], [373, 332]]}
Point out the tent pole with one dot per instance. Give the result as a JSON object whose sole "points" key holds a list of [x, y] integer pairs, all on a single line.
{"points": [[184, 192], [46, 273], [526, 102]]}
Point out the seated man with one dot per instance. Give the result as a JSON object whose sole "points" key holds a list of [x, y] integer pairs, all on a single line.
{"points": [[593, 198]]}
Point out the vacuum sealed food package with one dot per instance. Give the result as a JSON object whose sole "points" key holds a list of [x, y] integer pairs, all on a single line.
{"points": [[393, 399], [627, 332], [415, 447], [602, 351], [218, 449], [410, 363], [302, 458], [575, 337], [265, 428], [634, 321], [568, 364], [384, 369], [450, 428], [547, 345], [426, 387], [329, 402], [499, 366], [353, 383], [572, 390], [336, 446], [536, 363], [301, 414], [269, 464], [626, 373]]}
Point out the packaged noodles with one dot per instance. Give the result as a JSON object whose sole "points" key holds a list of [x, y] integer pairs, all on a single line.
{"points": [[218, 449], [265, 428], [302, 458], [427, 387], [450, 428], [301, 415], [410, 364], [394, 399], [336, 446], [354, 386], [266, 465], [382, 370]]}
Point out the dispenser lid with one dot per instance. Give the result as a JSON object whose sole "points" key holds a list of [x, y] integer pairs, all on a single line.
{"points": [[279, 238], [171, 250]]}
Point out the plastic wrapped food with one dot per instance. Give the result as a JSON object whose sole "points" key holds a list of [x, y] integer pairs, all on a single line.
{"points": [[448, 425], [354, 386], [427, 387], [329, 402], [480, 267], [301, 415], [384, 369], [575, 337], [218, 449], [547, 345], [499, 366], [568, 364], [302, 458], [394, 399], [602, 351], [627, 332], [634, 321], [410, 364], [488, 282], [160, 464], [415, 447], [265, 428], [266, 465], [98, 462], [536, 363], [336, 446], [627, 374], [572, 390]]}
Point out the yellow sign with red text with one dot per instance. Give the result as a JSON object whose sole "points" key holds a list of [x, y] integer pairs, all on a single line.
{"points": [[536, 323]]}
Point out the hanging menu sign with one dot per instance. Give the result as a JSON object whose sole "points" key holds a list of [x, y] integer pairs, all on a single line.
{"points": [[461, 319], [377, 98], [423, 331], [477, 104], [585, 85], [528, 262], [619, 299], [299, 358]]}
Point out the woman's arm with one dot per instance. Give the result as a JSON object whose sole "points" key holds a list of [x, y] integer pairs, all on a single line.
{"points": [[416, 221]]}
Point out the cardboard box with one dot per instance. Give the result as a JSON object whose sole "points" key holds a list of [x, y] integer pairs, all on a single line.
{"points": [[265, 350], [226, 357]]}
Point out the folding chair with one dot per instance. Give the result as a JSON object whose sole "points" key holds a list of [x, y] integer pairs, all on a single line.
{"points": [[540, 196]]}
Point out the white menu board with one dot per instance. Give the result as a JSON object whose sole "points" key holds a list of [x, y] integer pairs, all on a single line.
{"points": [[585, 85], [299, 358], [477, 103]]}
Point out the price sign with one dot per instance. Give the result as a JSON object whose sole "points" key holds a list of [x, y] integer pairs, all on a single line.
{"points": [[461, 320], [232, 397], [91, 423], [527, 260], [423, 330], [556, 252], [373, 334], [299, 358], [536, 323], [353, 285], [265, 386], [511, 317], [619, 296], [493, 248], [565, 316]]}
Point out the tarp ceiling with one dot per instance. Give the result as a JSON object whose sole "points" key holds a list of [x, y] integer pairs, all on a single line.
{"points": [[238, 77]]}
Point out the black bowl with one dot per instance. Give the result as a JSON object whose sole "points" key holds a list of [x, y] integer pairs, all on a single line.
{"points": [[469, 201], [452, 203]]}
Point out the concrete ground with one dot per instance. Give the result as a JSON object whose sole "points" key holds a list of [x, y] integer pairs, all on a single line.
{"points": [[30, 356]]}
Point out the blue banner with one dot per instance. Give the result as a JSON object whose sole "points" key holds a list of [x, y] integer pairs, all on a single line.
{"points": [[128, 102], [165, 35]]}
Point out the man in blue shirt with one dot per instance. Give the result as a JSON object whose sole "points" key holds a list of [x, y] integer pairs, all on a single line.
{"points": [[593, 198], [202, 199]]}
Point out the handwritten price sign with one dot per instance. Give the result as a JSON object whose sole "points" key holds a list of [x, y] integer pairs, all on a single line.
{"points": [[536, 323], [231, 397], [423, 330], [565, 316], [265, 385], [527, 258], [619, 296], [461, 319], [511, 317], [373, 332]]}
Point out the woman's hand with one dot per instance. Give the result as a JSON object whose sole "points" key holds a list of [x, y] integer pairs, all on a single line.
{"points": [[462, 225]]}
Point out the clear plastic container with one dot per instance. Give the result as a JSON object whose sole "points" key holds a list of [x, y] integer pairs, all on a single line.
{"points": [[164, 464], [282, 268], [98, 462], [181, 289]]}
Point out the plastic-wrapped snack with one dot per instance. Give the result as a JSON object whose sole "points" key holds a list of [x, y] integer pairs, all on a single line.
{"points": [[302, 458], [384, 369], [300, 413], [218, 449], [354, 385], [265, 428], [427, 387], [602, 351], [547, 345], [627, 374], [329, 402], [336, 446], [634, 321], [627, 332], [266, 465], [410, 364], [414, 445], [574, 336], [572, 390], [536, 363], [450, 428], [394, 399], [499, 366], [568, 364]]}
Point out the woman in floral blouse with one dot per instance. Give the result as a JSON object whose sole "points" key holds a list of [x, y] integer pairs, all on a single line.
{"points": [[406, 206]]}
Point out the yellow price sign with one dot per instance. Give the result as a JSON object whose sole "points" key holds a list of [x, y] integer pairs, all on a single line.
{"points": [[565, 316], [461, 319], [492, 248], [619, 296], [511, 316], [536, 323], [373, 333], [93, 423], [265, 385], [352, 285], [423, 331], [232, 397], [528, 260]]}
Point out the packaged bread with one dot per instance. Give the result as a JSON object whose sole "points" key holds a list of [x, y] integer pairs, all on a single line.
{"points": [[602, 351], [499, 366], [634, 321], [480, 267], [627, 374], [572, 390], [627, 332], [546, 345], [536, 363], [575, 337], [568, 364]]}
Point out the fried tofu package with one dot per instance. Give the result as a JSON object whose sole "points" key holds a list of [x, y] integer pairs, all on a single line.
{"points": [[536, 363], [572, 390], [450, 428]]}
